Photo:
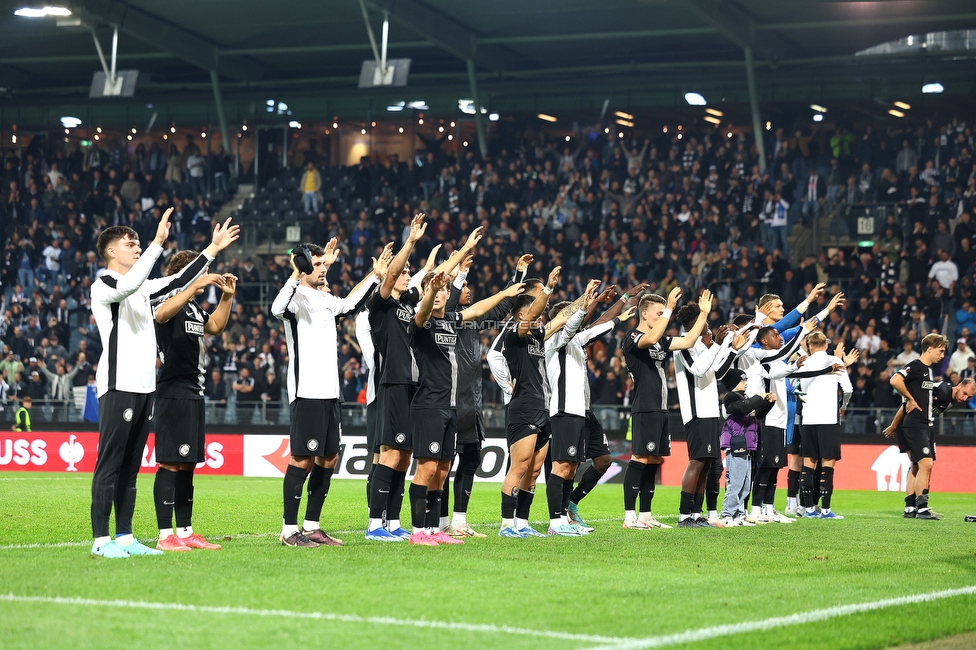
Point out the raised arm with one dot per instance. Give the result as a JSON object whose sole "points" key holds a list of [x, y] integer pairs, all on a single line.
{"points": [[427, 302], [164, 311], [218, 319], [480, 308], [109, 289], [539, 304], [451, 263], [163, 288], [354, 299], [661, 326], [689, 339], [417, 229]]}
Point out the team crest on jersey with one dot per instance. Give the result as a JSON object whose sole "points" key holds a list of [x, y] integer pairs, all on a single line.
{"points": [[709, 449], [127, 415], [650, 446], [925, 450], [776, 459], [194, 328], [313, 445], [184, 450], [435, 447], [400, 437], [572, 451]]}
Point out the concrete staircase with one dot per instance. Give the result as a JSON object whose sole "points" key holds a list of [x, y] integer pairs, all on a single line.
{"points": [[801, 240], [235, 203]]}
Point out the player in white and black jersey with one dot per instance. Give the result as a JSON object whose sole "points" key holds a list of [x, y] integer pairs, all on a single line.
{"points": [[944, 395], [566, 371], [179, 411], [646, 350], [126, 376], [916, 383], [527, 415], [433, 412], [471, 427], [697, 371], [309, 312]]}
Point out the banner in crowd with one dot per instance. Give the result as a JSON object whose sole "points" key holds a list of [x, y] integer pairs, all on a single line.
{"points": [[863, 467]]}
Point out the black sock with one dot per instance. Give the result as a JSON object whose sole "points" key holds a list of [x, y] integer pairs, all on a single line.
{"points": [[698, 501], [554, 495], [925, 491], [686, 503], [508, 505], [418, 505], [184, 498], [758, 486], [319, 482], [164, 494], [380, 496], [910, 501], [589, 480], [922, 502], [632, 484], [770, 498], [713, 484], [444, 509], [292, 493], [648, 483], [567, 494], [806, 487], [524, 504], [793, 483], [469, 460], [434, 498], [826, 486], [395, 503], [816, 482], [369, 481]]}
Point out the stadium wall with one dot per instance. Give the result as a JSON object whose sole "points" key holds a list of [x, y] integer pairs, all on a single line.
{"points": [[863, 467]]}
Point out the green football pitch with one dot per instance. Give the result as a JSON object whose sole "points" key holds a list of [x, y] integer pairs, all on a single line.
{"points": [[872, 580]]}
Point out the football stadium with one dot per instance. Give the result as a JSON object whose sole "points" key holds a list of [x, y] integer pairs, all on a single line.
{"points": [[429, 323]]}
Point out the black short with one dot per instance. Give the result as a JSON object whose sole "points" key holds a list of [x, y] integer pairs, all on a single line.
{"points": [[537, 425], [179, 430], [596, 444], [702, 435], [920, 443], [902, 442], [569, 437], [124, 422], [772, 447], [434, 433], [393, 415], [372, 428], [795, 447], [821, 441], [315, 427], [651, 434], [471, 426]]}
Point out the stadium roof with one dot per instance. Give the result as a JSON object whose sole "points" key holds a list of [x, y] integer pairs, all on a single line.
{"points": [[541, 55]]}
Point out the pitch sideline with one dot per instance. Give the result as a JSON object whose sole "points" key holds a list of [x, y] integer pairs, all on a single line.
{"points": [[800, 618]]}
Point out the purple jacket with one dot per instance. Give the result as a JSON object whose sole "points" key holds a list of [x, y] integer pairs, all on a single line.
{"points": [[741, 430]]}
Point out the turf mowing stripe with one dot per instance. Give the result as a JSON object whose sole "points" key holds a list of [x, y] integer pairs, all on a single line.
{"points": [[322, 616], [800, 618]]}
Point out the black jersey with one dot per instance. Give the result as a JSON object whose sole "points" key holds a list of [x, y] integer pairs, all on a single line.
{"points": [[526, 358], [435, 347], [646, 368], [392, 328], [183, 353], [919, 384], [942, 396]]}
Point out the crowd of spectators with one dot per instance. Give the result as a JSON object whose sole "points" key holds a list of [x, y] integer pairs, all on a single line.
{"points": [[687, 207]]}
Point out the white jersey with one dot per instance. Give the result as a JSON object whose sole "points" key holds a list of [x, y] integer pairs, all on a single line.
{"points": [[122, 307], [566, 368], [820, 404], [774, 369], [497, 363], [365, 338], [310, 331], [696, 372]]}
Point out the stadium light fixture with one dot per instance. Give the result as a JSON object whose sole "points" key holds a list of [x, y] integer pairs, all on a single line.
{"points": [[621, 114], [620, 134], [363, 131], [818, 117], [547, 118], [715, 112], [695, 99], [70, 122], [450, 136], [493, 117], [730, 135], [679, 136], [400, 130], [903, 106], [295, 124], [453, 124], [713, 120], [896, 113], [933, 88], [396, 108], [419, 105], [818, 108], [769, 126], [420, 121], [626, 123], [464, 144], [42, 12], [335, 125], [567, 138], [440, 129]]}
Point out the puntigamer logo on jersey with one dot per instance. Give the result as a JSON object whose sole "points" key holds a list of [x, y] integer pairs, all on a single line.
{"points": [[194, 329], [445, 339]]}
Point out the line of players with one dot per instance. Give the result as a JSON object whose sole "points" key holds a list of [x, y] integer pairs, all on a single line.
{"points": [[420, 337]]}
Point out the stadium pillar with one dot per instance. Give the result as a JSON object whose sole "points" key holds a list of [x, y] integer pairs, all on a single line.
{"points": [[757, 129], [479, 124], [215, 82]]}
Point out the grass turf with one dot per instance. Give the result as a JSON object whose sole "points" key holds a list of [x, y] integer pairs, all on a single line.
{"points": [[613, 583]]}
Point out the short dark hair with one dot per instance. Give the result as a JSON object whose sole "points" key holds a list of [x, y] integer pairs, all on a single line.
{"points": [[531, 283], [179, 261], [742, 320], [647, 299], [111, 235], [558, 307], [764, 332], [315, 249], [688, 314], [521, 302]]}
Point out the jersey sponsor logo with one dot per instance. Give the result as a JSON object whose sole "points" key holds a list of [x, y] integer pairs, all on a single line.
{"points": [[572, 451], [536, 350], [313, 445], [657, 355], [404, 315], [445, 339], [929, 385], [194, 329], [400, 438], [184, 450], [127, 415], [435, 447]]}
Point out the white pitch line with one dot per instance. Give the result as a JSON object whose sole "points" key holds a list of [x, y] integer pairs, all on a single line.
{"points": [[800, 618], [321, 616]]}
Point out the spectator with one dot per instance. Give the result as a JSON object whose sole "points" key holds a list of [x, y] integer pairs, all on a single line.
{"points": [[311, 184], [247, 397], [959, 360]]}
